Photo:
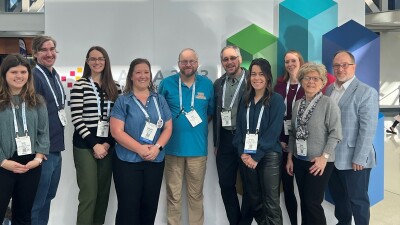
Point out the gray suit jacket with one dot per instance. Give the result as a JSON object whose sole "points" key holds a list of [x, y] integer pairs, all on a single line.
{"points": [[359, 107]]}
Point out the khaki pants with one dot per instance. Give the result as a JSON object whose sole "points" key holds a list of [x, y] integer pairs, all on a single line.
{"points": [[194, 170]]}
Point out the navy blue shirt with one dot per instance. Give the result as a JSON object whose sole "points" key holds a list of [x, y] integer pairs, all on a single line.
{"points": [[56, 129], [270, 127]]}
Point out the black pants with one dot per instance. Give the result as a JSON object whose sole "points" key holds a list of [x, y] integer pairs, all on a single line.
{"points": [[395, 123], [288, 191], [349, 190], [138, 189], [311, 191], [227, 166], [21, 188], [263, 187]]}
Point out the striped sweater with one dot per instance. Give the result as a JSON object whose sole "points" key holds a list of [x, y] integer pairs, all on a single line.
{"points": [[84, 114]]}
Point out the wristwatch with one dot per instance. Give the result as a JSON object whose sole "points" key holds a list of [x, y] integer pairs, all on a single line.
{"points": [[325, 155], [159, 146]]}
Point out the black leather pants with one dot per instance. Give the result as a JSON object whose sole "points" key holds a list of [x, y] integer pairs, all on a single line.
{"points": [[263, 187]]}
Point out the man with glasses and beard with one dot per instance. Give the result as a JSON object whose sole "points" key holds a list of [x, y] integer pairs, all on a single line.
{"points": [[228, 90], [355, 154], [191, 99]]}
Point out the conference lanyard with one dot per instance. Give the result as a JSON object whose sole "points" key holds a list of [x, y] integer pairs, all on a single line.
{"points": [[23, 119], [259, 119], [51, 88], [159, 121], [234, 96], [99, 109], [287, 93], [180, 96]]}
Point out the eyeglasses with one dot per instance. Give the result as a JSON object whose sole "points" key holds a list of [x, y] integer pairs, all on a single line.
{"points": [[185, 62], [92, 59], [343, 65], [45, 50], [314, 79], [232, 58]]}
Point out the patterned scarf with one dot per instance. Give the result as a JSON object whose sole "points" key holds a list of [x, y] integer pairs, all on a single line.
{"points": [[304, 114]]}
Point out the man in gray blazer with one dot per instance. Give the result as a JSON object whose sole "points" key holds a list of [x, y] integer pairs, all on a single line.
{"points": [[355, 155]]}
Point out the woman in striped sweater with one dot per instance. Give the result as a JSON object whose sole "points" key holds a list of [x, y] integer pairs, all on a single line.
{"points": [[92, 98]]}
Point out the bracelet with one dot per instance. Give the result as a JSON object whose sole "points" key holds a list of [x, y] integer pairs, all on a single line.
{"points": [[40, 160], [4, 162]]}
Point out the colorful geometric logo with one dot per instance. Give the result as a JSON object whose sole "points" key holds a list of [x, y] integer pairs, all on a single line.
{"points": [[255, 42], [310, 27]]}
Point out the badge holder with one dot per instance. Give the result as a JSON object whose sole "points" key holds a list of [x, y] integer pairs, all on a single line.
{"points": [[301, 145], [287, 126], [193, 118], [24, 146], [250, 144], [62, 116], [148, 133], [103, 128], [226, 118]]}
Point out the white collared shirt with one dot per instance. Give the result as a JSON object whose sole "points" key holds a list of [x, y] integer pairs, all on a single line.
{"points": [[338, 92]]}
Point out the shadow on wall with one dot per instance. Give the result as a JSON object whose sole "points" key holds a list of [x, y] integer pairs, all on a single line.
{"points": [[294, 38]]}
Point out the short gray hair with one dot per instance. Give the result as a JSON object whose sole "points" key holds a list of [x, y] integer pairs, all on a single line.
{"points": [[236, 48], [313, 67]]}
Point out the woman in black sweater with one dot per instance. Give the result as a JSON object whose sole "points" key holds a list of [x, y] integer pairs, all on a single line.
{"points": [[92, 98]]}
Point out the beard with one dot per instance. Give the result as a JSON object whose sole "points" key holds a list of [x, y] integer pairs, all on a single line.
{"points": [[233, 72], [188, 72]]}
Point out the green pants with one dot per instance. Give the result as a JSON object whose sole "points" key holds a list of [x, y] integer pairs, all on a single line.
{"points": [[94, 181]]}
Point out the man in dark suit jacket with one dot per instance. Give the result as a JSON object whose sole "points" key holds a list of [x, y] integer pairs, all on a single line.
{"points": [[355, 155], [228, 90]]}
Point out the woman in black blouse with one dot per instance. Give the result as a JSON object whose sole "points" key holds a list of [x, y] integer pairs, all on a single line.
{"points": [[258, 126]]}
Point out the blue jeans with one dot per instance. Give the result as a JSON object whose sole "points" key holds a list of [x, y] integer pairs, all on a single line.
{"points": [[47, 189]]}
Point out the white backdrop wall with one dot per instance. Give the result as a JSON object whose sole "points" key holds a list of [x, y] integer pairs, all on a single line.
{"points": [[156, 30], [390, 78]]}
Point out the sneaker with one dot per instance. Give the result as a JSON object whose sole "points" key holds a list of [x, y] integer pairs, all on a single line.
{"points": [[391, 131]]}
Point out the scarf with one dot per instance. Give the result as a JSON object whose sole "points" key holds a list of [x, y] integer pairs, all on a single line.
{"points": [[304, 114]]}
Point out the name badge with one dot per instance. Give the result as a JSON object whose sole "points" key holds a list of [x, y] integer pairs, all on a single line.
{"points": [[149, 131], [226, 118], [102, 128], [23, 145], [62, 116], [250, 144], [193, 118], [301, 147], [287, 126]]}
